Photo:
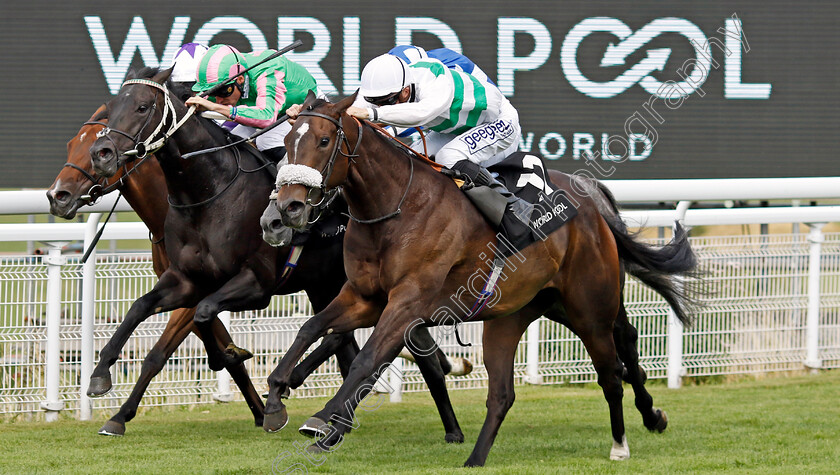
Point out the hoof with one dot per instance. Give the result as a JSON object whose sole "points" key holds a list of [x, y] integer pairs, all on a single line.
{"points": [[454, 438], [473, 463], [113, 428], [99, 386], [460, 367], [314, 427], [275, 421], [662, 423], [316, 449], [235, 355], [620, 451]]}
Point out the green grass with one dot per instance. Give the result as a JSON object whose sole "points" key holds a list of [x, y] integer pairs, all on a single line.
{"points": [[774, 425]]}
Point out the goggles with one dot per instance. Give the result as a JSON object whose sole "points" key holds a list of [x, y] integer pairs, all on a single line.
{"points": [[388, 100], [226, 91]]}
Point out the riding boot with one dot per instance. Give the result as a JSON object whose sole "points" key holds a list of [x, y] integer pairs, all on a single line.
{"points": [[502, 208]]}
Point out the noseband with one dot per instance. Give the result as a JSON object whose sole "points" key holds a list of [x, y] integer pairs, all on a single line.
{"points": [[326, 173]]}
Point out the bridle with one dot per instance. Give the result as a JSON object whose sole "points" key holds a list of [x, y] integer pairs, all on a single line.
{"points": [[326, 173], [327, 195], [100, 185], [142, 148]]}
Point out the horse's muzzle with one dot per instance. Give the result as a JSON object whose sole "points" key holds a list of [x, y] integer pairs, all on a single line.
{"points": [[293, 213], [62, 203], [274, 231]]}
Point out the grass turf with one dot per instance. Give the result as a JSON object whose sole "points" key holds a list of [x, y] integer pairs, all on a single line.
{"points": [[773, 425]]}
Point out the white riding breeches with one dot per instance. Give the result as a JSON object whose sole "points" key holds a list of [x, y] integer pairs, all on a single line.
{"points": [[272, 139], [485, 144]]}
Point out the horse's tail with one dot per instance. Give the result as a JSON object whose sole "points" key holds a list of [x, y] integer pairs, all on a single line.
{"points": [[656, 266]]}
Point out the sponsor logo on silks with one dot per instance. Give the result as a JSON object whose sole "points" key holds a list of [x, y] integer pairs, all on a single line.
{"points": [[487, 134]]}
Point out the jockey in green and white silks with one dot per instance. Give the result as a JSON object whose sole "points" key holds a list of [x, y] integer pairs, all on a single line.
{"points": [[469, 119], [258, 97], [470, 124]]}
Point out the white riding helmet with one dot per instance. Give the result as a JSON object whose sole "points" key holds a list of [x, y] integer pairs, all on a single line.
{"points": [[384, 75], [186, 61]]}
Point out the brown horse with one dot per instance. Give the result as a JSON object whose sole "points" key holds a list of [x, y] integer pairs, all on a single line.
{"points": [[414, 244], [218, 259]]}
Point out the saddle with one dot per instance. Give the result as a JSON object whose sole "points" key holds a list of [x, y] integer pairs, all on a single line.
{"points": [[524, 174], [536, 209]]}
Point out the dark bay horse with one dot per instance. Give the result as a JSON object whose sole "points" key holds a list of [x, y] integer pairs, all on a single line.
{"points": [[415, 242], [212, 233], [144, 189]]}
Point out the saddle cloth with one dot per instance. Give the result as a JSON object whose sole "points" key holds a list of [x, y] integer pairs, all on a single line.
{"points": [[524, 174]]}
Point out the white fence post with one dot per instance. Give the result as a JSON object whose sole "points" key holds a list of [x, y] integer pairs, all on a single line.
{"points": [[88, 304], [532, 355], [54, 260], [812, 325], [395, 380], [223, 377], [675, 329]]}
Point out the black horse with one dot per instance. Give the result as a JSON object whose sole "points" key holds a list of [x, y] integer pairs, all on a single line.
{"points": [[219, 260]]}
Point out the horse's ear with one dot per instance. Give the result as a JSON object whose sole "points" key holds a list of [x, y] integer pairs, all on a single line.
{"points": [[348, 101], [131, 74], [310, 96], [162, 76]]}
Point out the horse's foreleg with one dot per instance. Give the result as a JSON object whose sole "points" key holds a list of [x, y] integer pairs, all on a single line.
{"points": [[344, 314], [342, 345], [372, 364], [433, 373], [626, 336], [169, 293], [500, 340], [177, 329]]}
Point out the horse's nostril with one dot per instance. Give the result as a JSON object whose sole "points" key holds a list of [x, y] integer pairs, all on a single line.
{"points": [[61, 196], [295, 207], [276, 224], [104, 153]]}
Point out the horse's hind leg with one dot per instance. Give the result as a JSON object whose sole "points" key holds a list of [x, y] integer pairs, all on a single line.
{"points": [[500, 339], [626, 336], [237, 370], [593, 322], [434, 375]]}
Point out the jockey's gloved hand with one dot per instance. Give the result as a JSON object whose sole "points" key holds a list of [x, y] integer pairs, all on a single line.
{"points": [[479, 175]]}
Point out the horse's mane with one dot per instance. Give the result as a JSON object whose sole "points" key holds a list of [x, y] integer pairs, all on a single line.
{"points": [[145, 72]]}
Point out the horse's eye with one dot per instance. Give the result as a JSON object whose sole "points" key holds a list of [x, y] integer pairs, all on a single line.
{"points": [[142, 108], [325, 141]]}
